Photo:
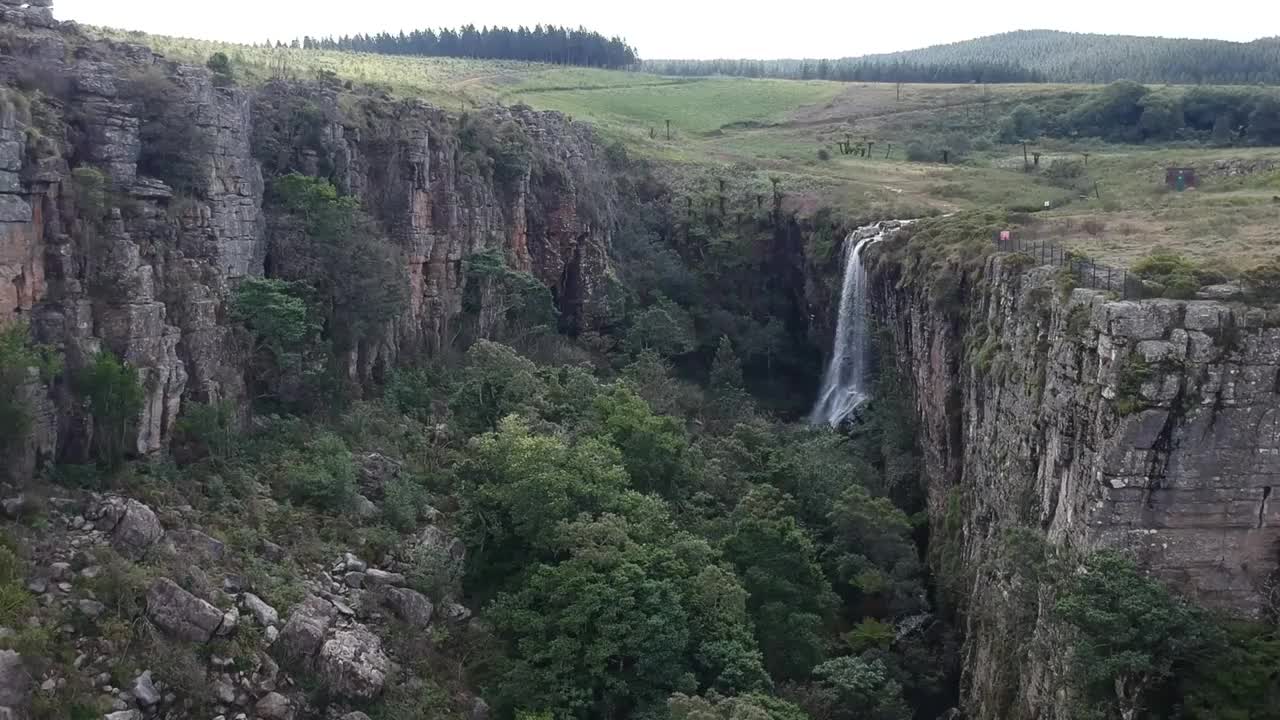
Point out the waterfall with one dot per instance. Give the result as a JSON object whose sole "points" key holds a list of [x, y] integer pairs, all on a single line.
{"points": [[844, 387]]}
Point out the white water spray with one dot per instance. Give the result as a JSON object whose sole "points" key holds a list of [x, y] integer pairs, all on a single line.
{"points": [[844, 386]]}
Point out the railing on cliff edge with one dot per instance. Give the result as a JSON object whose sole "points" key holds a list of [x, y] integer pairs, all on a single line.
{"points": [[1087, 273]]}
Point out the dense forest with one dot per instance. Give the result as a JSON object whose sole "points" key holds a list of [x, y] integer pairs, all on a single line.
{"points": [[853, 70], [543, 43], [1025, 56], [1094, 58]]}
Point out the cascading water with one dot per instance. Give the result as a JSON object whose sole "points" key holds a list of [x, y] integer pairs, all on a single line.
{"points": [[844, 386]]}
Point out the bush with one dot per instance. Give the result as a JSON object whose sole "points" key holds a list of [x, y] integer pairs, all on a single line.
{"points": [[1064, 172], [220, 65], [15, 601], [18, 355], [114, 398], [321, 474], [824, 154], [1264, 280], [1094, 227], [1173, 275], [1021, 124]]}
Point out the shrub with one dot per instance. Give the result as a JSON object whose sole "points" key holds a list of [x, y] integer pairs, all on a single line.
{"points": [[114, 398], [1094, 227], [1021, 124], [15, 601], [824, 154], [18, 355], [1264, 280], [220, 65], [1173, 275], [90, 192], [1064, 172], [321, 474]]}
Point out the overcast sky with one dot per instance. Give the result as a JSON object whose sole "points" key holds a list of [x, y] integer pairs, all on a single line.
{"points": [[694, 28]]}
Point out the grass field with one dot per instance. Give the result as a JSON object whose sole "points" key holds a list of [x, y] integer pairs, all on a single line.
{"points": [[750, 132]]}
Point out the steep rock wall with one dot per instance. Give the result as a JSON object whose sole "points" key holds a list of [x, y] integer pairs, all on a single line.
{"points": [[1152, 426], [96, 254]]}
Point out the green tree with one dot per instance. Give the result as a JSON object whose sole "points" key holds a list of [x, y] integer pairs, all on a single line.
{"points": [[325, 241], [283, 328], [1161, 116], [655, 448], [1133, 635], [114, 400], [791, 600], [1023, 123], [726, 371], [518, 487], [862, 690], [874, 555], [502, 300], [1264, 121], [712, 706], [19, 356], [494, 382], [630, 611], [1238, 681], [320, 473], [665, 327]]}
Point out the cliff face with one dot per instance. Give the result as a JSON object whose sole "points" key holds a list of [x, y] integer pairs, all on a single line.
{"points": [[96, 253], [1152, 426]]}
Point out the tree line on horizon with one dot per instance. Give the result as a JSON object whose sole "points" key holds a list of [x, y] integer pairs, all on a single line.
{"points": [[1024, 56], [1096, 58], [852, 70], [542, 43]]}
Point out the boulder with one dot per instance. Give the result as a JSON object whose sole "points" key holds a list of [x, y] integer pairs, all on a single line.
{"points": [[123, 715], [271, 551], [455, 612], [374, 577], [479, 710], [1223, 291], [91, 608], [261, 611], [409, 605], [363, 508], [274, 706], [144, 690], [134, 527], [14, 507], [230, 621], [303, 634], [181, 614], [376, 470], [195, 545], [15, 684], [441, 545], [353, 665], [355, 715]]}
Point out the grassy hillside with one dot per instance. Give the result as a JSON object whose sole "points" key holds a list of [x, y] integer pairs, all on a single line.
{"points": [[1093, 58], [751, 132]]}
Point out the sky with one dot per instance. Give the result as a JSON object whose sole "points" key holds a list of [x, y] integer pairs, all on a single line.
{"points": [[691, 28]]}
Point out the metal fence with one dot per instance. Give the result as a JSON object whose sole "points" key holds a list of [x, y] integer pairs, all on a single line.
{"points": [[1087, 273]]}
